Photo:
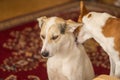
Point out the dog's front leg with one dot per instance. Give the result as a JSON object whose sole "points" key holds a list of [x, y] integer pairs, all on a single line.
{"points": [[76, 74], [54, 75], [112, 67], [50, 76], [117, 69]]}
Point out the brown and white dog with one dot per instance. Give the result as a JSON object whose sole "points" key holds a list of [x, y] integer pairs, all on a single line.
{"points": [[105, 29], [66, 59]]}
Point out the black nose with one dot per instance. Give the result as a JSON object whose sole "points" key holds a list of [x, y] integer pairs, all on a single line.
{"points": [[45, 54]]}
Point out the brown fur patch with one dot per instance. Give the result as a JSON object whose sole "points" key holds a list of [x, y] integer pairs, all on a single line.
{"points": [[89, 15], [112, 29], [61, 24], [77, 30], [83, 11]]}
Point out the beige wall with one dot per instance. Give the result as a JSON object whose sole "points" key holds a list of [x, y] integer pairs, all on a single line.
{"points": [[13, 8]]}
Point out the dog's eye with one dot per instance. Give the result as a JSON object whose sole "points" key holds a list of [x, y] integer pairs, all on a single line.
{"points": [[54, 37], [43, 37]]}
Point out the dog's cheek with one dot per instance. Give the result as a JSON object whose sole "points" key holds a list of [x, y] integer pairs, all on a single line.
{"points": [[59, 44], [54, 48]]}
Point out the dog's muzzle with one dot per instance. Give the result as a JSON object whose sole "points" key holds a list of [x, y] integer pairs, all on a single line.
{"points": [[45, 54]]}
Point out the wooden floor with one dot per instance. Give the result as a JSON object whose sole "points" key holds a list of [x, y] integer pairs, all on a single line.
{"points": [[13, 8]]}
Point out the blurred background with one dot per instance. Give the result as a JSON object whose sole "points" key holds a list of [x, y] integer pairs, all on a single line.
{"points": [[13, 8]]}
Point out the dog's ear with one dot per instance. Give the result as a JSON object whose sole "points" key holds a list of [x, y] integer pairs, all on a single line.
{"points": [[41, 20], [72, 26], [83, 10]]}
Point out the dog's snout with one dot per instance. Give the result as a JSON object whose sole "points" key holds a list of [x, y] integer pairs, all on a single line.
{"points": [[45, 54]]}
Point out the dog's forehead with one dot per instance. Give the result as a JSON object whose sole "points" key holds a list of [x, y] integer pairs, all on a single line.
{"points": [[52, 24], [54, 20]]}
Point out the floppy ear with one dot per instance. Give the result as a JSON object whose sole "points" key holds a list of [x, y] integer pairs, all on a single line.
{"points": [[41, 20], [71, 25]]}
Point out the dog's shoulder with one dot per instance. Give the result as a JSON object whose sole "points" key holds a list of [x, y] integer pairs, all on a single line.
{"points": [[112, 29]]}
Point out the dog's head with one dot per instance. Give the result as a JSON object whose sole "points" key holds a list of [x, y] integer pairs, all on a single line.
{"points": [[53, 34], [93, 25]]}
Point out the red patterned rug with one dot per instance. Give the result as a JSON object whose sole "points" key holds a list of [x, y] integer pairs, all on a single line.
{"points": [[20, 46]]}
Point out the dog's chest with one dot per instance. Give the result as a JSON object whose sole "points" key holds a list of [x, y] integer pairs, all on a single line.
{"points": [[55, 65], [60, 66]]}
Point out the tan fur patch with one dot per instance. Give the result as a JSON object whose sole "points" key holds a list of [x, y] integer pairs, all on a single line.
{"points": [[77, 30], [89, 15], [112, 29], [59, 20], [52, 31], [83, 11]]}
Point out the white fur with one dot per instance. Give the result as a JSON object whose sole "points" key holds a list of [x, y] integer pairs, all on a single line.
{"points": [[92, 28], [49, 23], [68, 61]]}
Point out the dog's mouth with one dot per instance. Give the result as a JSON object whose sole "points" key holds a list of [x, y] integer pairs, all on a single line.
{"points": [[46, 57]]}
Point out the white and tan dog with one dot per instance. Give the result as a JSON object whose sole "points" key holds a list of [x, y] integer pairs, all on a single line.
{"points": [[67, 60], [105, 29]]}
